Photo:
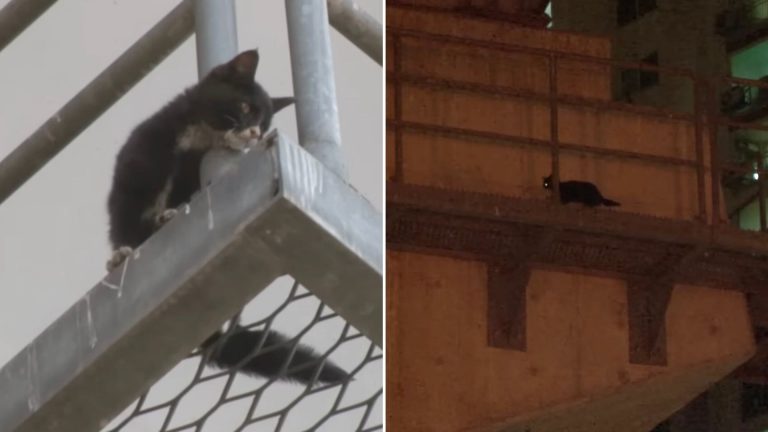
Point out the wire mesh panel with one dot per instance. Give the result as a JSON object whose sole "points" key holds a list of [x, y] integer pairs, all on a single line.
{"points": [[194, 396]]}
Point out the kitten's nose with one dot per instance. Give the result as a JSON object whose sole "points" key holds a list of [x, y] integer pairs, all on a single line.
{"points": [[254, 132]]}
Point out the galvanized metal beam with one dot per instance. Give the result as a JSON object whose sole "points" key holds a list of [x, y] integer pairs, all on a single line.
{"points": [[280, 211], [216, 43], [358, 27], [17, 15], [317, 114], [215, 33], [142, 57], [93, 100]]}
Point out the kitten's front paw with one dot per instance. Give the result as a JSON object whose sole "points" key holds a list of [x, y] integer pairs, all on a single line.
{"points": [[241, 141], [118, 256], [165, 216], [237, 145]]}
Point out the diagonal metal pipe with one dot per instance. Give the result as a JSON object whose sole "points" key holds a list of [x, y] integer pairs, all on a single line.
{"points": [[93, 100], [317, 113], [358, 26], [135, 63]]}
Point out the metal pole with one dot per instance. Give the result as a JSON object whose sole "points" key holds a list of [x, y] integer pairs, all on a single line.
{"points": [[18, 15], [699, 99], [215, 33], [761, 188], [714, 154], [77, 114], [357, 26], [554, 128], [216, 42], [397, 59], [313, 82]]}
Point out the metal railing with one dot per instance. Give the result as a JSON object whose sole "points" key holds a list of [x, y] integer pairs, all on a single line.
{"points": [[702, 113], [227, 401], [119, 77], [356, 402]]}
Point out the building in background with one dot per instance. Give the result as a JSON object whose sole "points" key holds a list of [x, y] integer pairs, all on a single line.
{"points": [[508, 311]]}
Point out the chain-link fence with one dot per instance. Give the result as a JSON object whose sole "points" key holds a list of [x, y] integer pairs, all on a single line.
{"points": [[196, 397]]}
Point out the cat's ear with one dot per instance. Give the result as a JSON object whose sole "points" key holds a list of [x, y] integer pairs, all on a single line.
{"points": [[245, 63], [281, 102]]}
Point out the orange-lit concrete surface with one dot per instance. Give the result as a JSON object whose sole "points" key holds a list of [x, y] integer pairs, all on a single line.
{"points": [[575, 374], [509, 168]]}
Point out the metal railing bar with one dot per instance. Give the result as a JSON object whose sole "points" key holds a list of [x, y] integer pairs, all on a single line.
{"points": [[360, 28], [554, 129], [215, 44], [698, 134], [761, 189], [522, 140], [543, 52], [712, 104], [739, 169], [93, 100], [317, 114], [398, 108], [215, 33], [504, 91], [17, 15], [725, 121]]}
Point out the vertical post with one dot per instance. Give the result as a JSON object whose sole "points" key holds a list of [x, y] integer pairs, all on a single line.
{"points": [[216, 43], [398, 61], [553, 128], [215, 33], [17, 15], [714, 154], [313, 81], [698, 99], [761, 188], [357, 26]]}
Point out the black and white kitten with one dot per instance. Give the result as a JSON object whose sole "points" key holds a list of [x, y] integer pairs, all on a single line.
{"points": [[580, 192], [158, 170]]}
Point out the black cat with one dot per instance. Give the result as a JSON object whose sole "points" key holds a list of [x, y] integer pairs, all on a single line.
{"points": [[158, 170], [580, 192]]}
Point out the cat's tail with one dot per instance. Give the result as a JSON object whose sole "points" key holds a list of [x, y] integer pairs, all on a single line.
{"points": [[610, 203], [243, 350]]}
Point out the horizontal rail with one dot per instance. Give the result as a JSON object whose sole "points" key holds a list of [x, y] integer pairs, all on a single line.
{"points": [[512, 139], [248, 228], [358, 27], [543, 52], [504, 91], [708, 118], [93, 100], [17, 15], [119, 77]]}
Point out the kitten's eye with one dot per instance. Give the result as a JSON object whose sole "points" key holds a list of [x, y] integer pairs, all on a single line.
{"points": [[245, 108]]}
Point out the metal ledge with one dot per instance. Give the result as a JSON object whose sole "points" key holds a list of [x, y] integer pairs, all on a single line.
{"points": [[277, 211], [484, 227]]}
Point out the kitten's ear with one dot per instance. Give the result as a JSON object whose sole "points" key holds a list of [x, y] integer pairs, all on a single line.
{"points": [[245, 63], [281, 102]]}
